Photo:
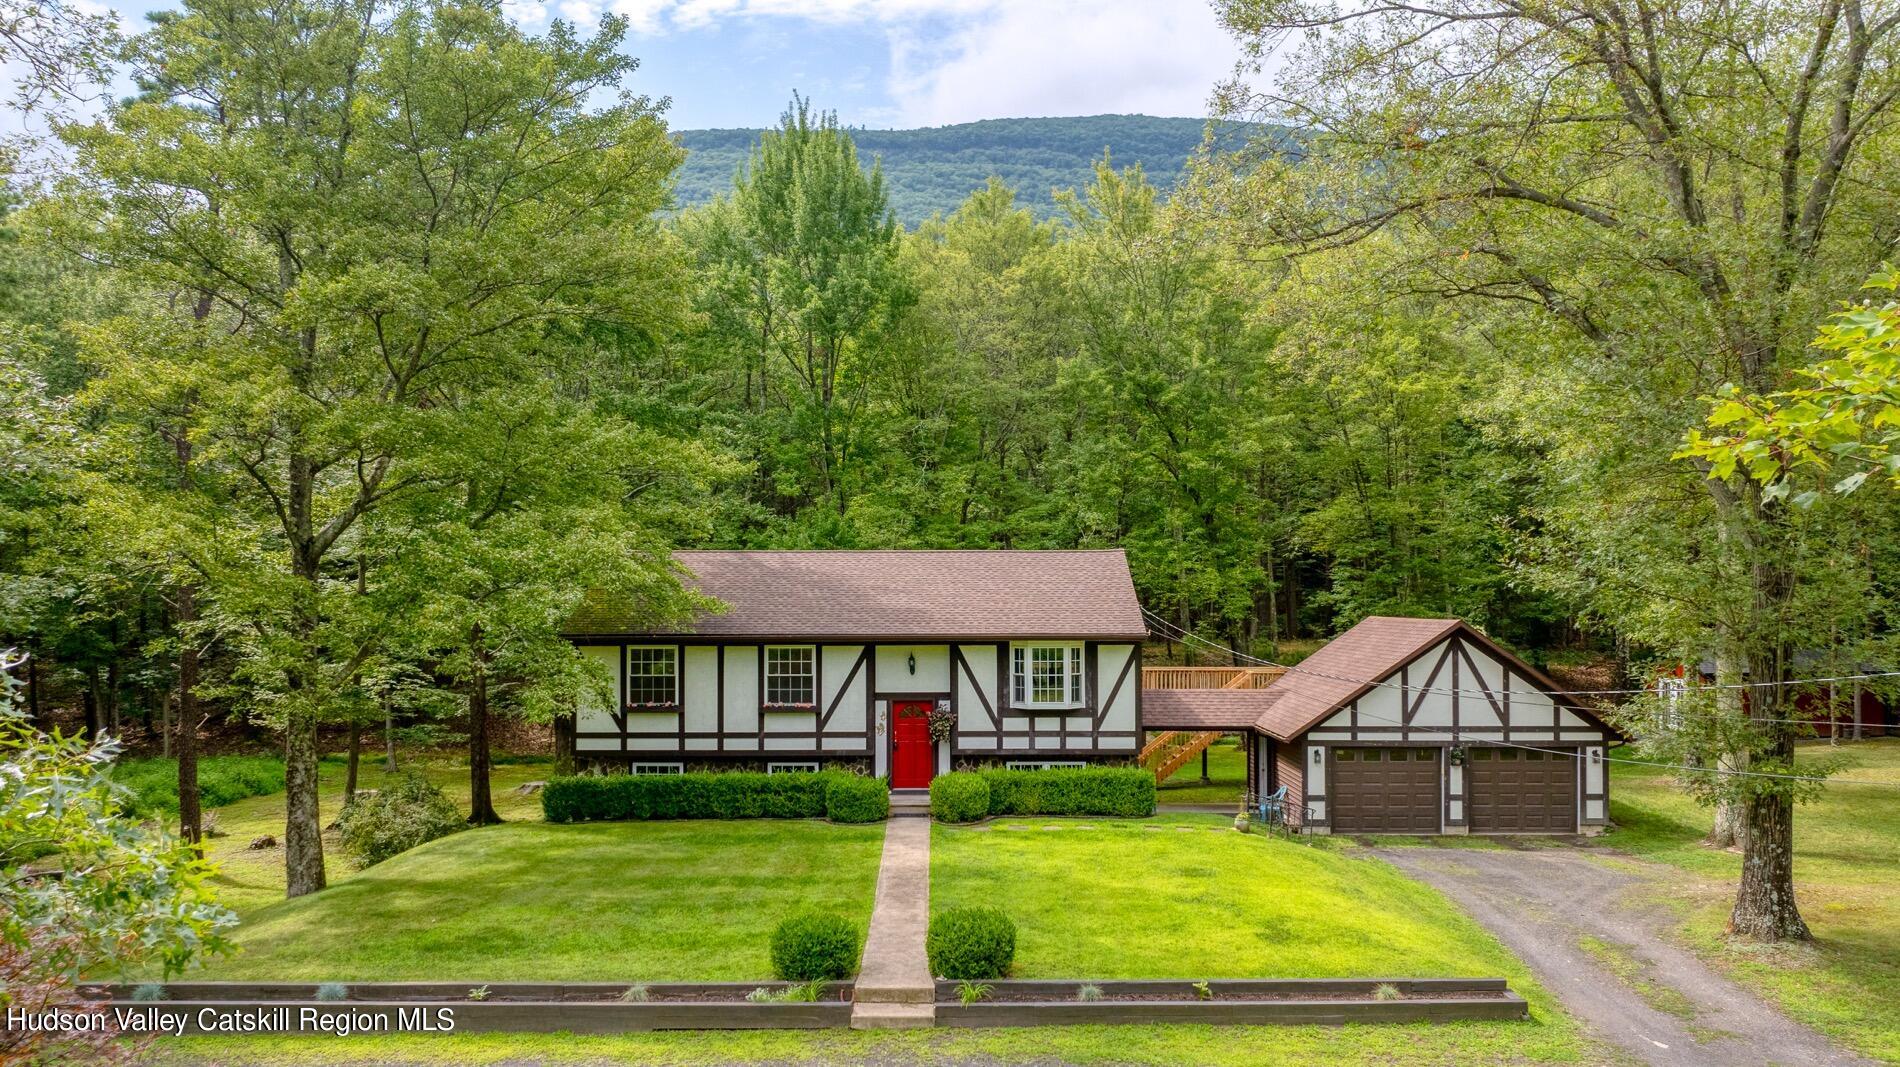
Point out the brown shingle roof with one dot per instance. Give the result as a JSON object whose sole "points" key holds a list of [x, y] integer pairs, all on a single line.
{"points": [[1205, 709], [902, 595], [1344, 668]]}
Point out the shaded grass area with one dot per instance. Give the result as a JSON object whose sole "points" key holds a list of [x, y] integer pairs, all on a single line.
{"points": [[222, 780], [1448, 1045], [1226, 774], [636, 902], [1847, 882], [250, 879]]}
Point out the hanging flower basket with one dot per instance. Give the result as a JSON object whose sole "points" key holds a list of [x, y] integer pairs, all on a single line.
{"points": [[942, 721]]}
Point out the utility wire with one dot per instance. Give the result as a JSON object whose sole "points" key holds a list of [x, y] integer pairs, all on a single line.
{"points": [[1179, 634]]}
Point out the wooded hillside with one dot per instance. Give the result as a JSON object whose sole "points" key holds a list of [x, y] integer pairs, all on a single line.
{"points": [[931, 171]]}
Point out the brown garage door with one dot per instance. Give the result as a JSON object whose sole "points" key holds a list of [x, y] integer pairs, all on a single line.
{"points": [[1522, 791], [1385, 790]]}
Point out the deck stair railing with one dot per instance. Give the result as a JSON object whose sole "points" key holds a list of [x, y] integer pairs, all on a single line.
{"points": [[1209, 677], [1179, 757]]}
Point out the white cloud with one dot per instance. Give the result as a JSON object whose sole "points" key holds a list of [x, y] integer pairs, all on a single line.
{"points": [[1065, 57], [962, 60]]}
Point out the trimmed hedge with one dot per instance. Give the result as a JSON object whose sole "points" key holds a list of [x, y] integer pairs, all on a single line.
{"points": [[855, 798], [814, 946], [960, 796], [1124, 791], [970, 943], [702, 795]]}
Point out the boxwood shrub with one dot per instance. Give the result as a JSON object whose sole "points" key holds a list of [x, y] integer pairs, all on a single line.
{"points": [[1123, 791], [814, 946], [855, 798], [703, 795], [960, 796], [971, 943]]}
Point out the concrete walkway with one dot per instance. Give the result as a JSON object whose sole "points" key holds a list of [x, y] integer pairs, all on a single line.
{"points": [[894, 986]]}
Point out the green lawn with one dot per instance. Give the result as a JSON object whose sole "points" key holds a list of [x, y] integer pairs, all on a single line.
{"points": [[1847, 879], [250, 879], [1226, 773], [680, 901]]}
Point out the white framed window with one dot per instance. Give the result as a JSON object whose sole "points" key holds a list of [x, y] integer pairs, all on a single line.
{"points": [[653, 676], [1046, 675], [1029, 765], [656, 768], [791, 676], [791, 768]]}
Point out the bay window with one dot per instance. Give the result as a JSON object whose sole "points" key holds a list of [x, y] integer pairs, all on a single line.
{"points": [[1046, 675]]}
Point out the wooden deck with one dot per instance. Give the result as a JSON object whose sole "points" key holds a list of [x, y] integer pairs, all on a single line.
{"points": [[1209, 677]]}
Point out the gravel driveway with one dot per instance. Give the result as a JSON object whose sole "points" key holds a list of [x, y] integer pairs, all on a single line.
{"points": [[1588, 933]]}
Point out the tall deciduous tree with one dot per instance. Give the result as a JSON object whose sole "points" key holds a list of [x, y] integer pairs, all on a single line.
{"points": [[1675, 189], [388, 206]]}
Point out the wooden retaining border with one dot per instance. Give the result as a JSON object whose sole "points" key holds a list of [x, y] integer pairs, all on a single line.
{"points": [[1322, 1002], [596, 1007], [513, 1007]]}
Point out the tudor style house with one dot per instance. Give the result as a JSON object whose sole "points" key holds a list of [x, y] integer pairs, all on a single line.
{"points": [[825, 658], [1411, 726]]}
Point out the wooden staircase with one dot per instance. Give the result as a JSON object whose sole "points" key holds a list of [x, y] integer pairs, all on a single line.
{"points": [[1179, 757]]}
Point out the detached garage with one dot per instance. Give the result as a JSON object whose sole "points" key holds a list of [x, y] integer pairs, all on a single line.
{"points": [[1413, 726]]}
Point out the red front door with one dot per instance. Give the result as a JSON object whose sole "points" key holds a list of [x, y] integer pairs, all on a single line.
{"points": [[911, 757]]}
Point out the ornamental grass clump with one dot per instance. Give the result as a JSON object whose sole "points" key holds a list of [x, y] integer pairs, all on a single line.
{"points": [[400, 816], [961, 796], [971, 943], [814, 946]]}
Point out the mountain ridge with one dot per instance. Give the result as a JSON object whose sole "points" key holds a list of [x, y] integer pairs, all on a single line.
{"points": [[932, 169]]}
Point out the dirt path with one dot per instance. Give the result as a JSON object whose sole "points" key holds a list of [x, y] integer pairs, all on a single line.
{"points": [[1585, 929]]}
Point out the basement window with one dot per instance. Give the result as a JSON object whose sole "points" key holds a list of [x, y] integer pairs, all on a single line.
{"points": [[656, 768], [791, 768], [1029, 765], [1046, 676]]}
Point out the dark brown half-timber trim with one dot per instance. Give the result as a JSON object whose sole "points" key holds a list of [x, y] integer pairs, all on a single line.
{"points": [[845, 687], [962, 664]]}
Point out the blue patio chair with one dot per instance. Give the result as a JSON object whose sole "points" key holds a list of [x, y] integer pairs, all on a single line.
{"points": [[1270, 810]]}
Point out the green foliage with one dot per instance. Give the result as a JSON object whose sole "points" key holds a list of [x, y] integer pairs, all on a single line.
{"points": [[814, 947], [855, 798], [704, 795], [332, 991], [931, 171], [221, 780], [403, 814], [960, 796], [1122, 791], [117, 895], [1846, 417], [970, 943], [969, 992]]}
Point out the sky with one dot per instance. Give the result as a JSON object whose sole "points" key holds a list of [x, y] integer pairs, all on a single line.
{"points": [[902, 63]]}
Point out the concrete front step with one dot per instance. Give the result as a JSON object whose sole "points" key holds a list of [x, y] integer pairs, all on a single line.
{"points": [[921, 990], [876, 1016]]}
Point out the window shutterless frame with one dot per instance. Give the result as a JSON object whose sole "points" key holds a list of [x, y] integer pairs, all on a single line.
{"points": [[653, 678], [791, 677]]}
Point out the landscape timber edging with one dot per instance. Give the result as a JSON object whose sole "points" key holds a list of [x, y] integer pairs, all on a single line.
{"points": [[1336, 1002], [517, 1007]]}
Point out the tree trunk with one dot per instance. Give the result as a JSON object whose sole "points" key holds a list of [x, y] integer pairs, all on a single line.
{"points": [[1765, 907], [303, 828], [481, 808], [564, 744], [190, 814], [35, 706], [95, 724], [355, 757], [389, 737], [1729, 828]]}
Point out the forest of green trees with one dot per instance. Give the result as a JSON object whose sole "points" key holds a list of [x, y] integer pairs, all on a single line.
{"points": [[340, 361], [930, 171]]}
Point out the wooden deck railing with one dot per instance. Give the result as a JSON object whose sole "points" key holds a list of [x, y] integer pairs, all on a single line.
{"points": [[1209, 677]]}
